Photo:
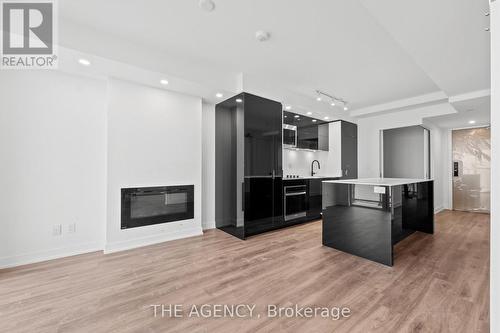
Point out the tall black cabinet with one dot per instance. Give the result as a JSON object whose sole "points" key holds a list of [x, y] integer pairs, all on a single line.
{"points": [[248, 166], [349, 150]]}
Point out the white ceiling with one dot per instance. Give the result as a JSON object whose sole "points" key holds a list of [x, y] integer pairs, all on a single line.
{"points": [[447, 38], [474, 109], [354, 49]]}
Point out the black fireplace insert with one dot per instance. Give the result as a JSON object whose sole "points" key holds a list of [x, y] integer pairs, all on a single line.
{"points": [[143, 206]]}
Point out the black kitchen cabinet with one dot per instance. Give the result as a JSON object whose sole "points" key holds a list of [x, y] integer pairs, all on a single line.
{"points": [[323, 137], [311, 133], [349, 150], [307, 137], [248, 180], [315, 196]]}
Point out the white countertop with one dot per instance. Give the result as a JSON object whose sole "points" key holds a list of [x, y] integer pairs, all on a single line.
{"points": [[378, 181]]}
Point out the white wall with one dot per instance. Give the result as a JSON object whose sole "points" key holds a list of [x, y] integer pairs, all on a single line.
{"points": [[154, 139], [53, 165], [495, 166], [369, 143], [208, 166], [440, 165]]}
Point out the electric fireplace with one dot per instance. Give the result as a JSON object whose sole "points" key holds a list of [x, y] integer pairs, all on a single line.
{"points": [[141, 206]]}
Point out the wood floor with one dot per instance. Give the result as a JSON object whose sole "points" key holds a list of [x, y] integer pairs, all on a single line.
{"points": [[439, 283]]}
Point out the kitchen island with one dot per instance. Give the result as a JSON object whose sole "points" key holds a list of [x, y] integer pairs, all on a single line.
{"points": [[367, 217]]}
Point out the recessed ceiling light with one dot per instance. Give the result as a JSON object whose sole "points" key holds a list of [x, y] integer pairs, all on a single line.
{"points": [[239, 100], [314, 120], [296, 116], [219, 95], [164, 82], [472, 122], [318, 99], [346, 108], [84, 62], [207, 5], [288, 107], [332, 103], [309, 113], [326, 118]]}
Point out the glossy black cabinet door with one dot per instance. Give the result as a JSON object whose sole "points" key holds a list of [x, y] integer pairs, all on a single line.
{"points": [[418, 206], [263, 136], [323, 137], [349, 153], [258, 205], [314, 198], [263, 164], [307, 137], [278, 213]]}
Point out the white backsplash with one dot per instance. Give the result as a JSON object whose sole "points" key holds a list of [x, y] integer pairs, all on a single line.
{"points": [[298, 162]]}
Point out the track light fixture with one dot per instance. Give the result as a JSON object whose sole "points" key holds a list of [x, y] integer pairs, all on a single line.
{"points": [[320, 95]]}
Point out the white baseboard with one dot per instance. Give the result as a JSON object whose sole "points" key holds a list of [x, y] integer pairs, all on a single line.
{"points": [[208, 225], [439, 209], [150, 240], [34, 257]]}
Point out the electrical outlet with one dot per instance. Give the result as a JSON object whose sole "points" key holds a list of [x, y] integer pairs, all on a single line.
{"points": [[72, 228], [57, 230]]}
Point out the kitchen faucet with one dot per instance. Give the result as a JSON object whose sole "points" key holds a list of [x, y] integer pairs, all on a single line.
{"points": [[312, 167]]}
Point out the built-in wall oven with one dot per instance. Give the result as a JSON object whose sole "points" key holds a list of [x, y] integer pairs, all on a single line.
{"points": [[295, 203], [289, 136]]}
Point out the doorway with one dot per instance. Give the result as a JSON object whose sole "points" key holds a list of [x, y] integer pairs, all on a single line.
{"points": [[471, 169]]}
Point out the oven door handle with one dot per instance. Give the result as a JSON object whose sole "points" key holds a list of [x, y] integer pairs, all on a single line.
{"points": [[294, 194], [138, 194]]}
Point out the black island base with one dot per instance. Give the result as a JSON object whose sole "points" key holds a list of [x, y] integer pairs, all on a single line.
{"points": [[367, 217]]}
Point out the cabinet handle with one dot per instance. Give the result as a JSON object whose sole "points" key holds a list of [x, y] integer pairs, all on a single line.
{"points": [[242, 197]]}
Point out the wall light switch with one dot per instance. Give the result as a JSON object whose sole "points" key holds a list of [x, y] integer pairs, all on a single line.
{"points": [[57, 230]]}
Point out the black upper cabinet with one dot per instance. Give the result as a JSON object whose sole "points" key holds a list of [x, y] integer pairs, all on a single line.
{"points": [[262, 136], [311, 133], [307, 137]]}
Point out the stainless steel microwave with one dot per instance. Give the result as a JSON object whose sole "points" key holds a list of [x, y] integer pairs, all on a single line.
{"points": [[289, 136]]}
